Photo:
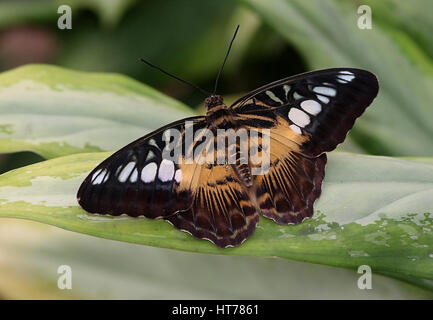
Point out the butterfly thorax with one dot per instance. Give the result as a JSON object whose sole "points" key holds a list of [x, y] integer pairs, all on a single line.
{"points": [[219, 116]]}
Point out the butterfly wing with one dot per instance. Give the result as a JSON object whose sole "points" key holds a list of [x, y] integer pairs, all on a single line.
{"points": [[307, 115], [137, 180], [222, 211], [206, 200], [286, 193], [320, 107]]}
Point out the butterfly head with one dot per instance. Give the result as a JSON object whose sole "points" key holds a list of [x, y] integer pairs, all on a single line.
{"points": [[213, 101]]}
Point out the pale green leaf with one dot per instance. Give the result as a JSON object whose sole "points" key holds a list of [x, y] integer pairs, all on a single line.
{"points": [[30, 254], [373, 210], [54, 111]]}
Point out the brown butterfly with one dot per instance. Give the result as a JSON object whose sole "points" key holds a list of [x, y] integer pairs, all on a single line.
{"points": [[305, 116]]}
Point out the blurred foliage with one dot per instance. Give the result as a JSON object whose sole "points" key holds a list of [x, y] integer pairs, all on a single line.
{"points": [[400, 122], [191, 44], [412, 19]]}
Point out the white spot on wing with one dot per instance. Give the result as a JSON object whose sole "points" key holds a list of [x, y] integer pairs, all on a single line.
{"points": [[126, 171], [166, 170], [134, 176], [311, 106], [97, 172], [295, 128], [152, 142], [326, 91], [297, 96], [166, 137], [273, 96], [150, 155], [346, 76], [178, 175], [324, 99], [100, 176], [107, 175], [149, 172], [346, 72], [299, 117], [286, 89]]}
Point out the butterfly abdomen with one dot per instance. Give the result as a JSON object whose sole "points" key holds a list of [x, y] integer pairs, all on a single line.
{"points": [[240, 163], [243, 170]]}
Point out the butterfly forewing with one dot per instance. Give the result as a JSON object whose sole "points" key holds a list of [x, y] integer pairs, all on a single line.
{"points": [[321, 105], [137, 180], [307, 115]]}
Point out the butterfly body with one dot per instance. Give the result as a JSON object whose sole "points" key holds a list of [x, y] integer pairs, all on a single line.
{"points": [[217, 195]]}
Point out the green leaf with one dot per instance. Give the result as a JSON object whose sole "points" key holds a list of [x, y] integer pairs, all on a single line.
{"points": [[400, 121], [53, 111], [33, 252], [373, 210]]}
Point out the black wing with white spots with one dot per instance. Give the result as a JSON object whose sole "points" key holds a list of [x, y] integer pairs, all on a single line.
{"points": [[321, 106], [138, 180]]}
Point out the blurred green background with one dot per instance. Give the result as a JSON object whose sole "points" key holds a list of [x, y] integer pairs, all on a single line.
{"points": [[277, 38]]}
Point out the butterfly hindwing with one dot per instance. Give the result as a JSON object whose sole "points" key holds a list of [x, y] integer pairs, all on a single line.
{"points": [[321, 106], [222, 211], [137, 180], [286, 194]]}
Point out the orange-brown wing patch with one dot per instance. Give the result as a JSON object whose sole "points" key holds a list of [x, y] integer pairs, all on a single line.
{"points": [[222, 211], [286, 193]]}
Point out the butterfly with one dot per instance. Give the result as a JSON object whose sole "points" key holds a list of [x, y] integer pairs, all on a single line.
{"points": [[300, 118]]}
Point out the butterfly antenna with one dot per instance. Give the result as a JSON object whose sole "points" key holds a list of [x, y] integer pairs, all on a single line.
{"points": [[173, 76], [225, 59]]}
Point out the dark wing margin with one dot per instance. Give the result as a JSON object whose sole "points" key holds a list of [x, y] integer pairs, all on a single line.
{"points": [[320, 105], [137, 181]]}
